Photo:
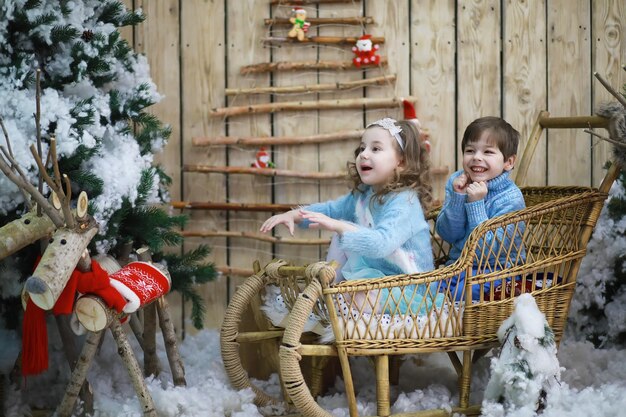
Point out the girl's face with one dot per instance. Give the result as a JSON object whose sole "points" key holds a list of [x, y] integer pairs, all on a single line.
{"points": [[483, 160], [378, 157]]}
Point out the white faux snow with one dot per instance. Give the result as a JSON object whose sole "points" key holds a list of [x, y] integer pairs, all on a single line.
{"points": [[593, 383]]}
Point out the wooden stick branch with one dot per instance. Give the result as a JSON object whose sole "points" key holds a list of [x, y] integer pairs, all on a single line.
{"points": [[150, 359], [610, 140], [170, 342], [305, 65], [322, 40], [610, 89], [8, 154], [272, 172], [79, 374], [130, 362], [352, 103], [64, 196], [24, 184], [38, 127], [267, 172], [254, 236], [356, 20], [256, 207], [240, 272], [304, 89], [278, 140], [304, 2]]}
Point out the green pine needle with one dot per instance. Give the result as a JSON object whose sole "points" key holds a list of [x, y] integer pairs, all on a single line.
{"points": [[62, 34]]}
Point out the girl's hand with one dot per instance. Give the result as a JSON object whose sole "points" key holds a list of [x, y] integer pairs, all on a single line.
{"points": [[288, 219], [321, 221], [461, 183], [476, 191]]}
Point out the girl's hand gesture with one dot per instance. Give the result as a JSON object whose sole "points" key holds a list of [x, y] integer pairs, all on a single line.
{"points": [[288, 219], [321, 221]]}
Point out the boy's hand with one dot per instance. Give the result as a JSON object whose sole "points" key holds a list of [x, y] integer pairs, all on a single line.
{"points": [[476, 191], [460, 183]]}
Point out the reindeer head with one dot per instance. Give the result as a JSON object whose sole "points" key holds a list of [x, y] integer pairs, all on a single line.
{"points": [[74, 228]]}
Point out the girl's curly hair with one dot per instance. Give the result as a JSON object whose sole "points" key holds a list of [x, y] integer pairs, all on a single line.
{"points": [[415, 174]]}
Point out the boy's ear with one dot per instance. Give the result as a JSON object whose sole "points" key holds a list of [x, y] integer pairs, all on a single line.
{"points": [[509, 163]]}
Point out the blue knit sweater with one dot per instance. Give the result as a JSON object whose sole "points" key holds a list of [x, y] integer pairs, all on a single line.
{"points": [[458, 218], [398, 223]]}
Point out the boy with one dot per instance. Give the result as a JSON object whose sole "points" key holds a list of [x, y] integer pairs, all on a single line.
{"points": [[480, 191]]}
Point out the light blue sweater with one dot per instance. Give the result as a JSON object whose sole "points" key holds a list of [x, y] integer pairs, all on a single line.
{"points": [[392, 238], [458, 218], [398, 223]]}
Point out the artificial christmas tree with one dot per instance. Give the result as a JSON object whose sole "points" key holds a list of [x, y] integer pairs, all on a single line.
{"points": [[94, 95]]}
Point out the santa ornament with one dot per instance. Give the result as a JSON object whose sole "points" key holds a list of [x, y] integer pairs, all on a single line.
{"points": [[411, 116], [365, 52], [262, 159]]}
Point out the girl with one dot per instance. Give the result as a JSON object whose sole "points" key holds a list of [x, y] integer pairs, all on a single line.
{"points": [[380, 224]]}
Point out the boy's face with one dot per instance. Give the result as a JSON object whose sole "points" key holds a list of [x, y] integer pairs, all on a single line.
{"points": [[483, 160]]}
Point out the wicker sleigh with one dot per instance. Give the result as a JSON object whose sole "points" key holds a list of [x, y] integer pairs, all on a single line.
{"points": [[536, 250]]}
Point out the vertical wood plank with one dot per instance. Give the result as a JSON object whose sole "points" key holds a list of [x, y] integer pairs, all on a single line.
{"points": [[333, 156], [609, 54], [569, 90], [432, 80], [525, 69], [392, 22], [478, 63], [203, 74], [245, 32], [299, 157], [158, 38], [127, 31]]}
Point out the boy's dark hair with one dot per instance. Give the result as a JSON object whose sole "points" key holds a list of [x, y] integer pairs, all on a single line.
{"points": [[416, 172], [503, 134]]}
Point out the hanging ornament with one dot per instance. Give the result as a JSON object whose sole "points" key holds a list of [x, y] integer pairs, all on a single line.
{"points": [[262, 159], [300, 25], [365, 52], [411, 116]]}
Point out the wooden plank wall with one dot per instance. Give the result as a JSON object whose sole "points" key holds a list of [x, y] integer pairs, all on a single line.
{"points": [[463, 60]]}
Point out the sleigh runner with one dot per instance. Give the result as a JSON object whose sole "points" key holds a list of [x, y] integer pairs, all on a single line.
{"points": [[552, 232]]}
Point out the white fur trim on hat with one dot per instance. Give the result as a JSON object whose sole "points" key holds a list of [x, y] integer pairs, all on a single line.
{"points": [[132, 299]]}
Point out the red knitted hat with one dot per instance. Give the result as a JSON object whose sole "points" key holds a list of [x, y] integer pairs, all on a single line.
{"points": [[409, 110]]}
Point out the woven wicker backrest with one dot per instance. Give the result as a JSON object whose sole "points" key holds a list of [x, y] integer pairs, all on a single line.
{"points": [[537, 250]]}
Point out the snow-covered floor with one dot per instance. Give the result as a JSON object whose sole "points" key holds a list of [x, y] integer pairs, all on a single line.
{"points": [[594, 383]]}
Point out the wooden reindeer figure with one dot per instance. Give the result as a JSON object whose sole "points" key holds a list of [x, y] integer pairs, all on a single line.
{"points": [[70, 232]]}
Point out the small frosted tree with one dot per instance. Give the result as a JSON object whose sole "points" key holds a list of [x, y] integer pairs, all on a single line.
{"points": [[597, 311], [95, 92]]}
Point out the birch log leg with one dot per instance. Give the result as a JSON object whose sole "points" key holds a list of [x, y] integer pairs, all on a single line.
{"points": [[68, 338], [134, 371], [170, 340], [79, 374], [150, 359], [137, 328]]}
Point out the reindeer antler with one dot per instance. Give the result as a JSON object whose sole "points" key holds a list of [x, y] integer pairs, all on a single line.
{"points": [[55, 183], [9, 153], [23, 183]]}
